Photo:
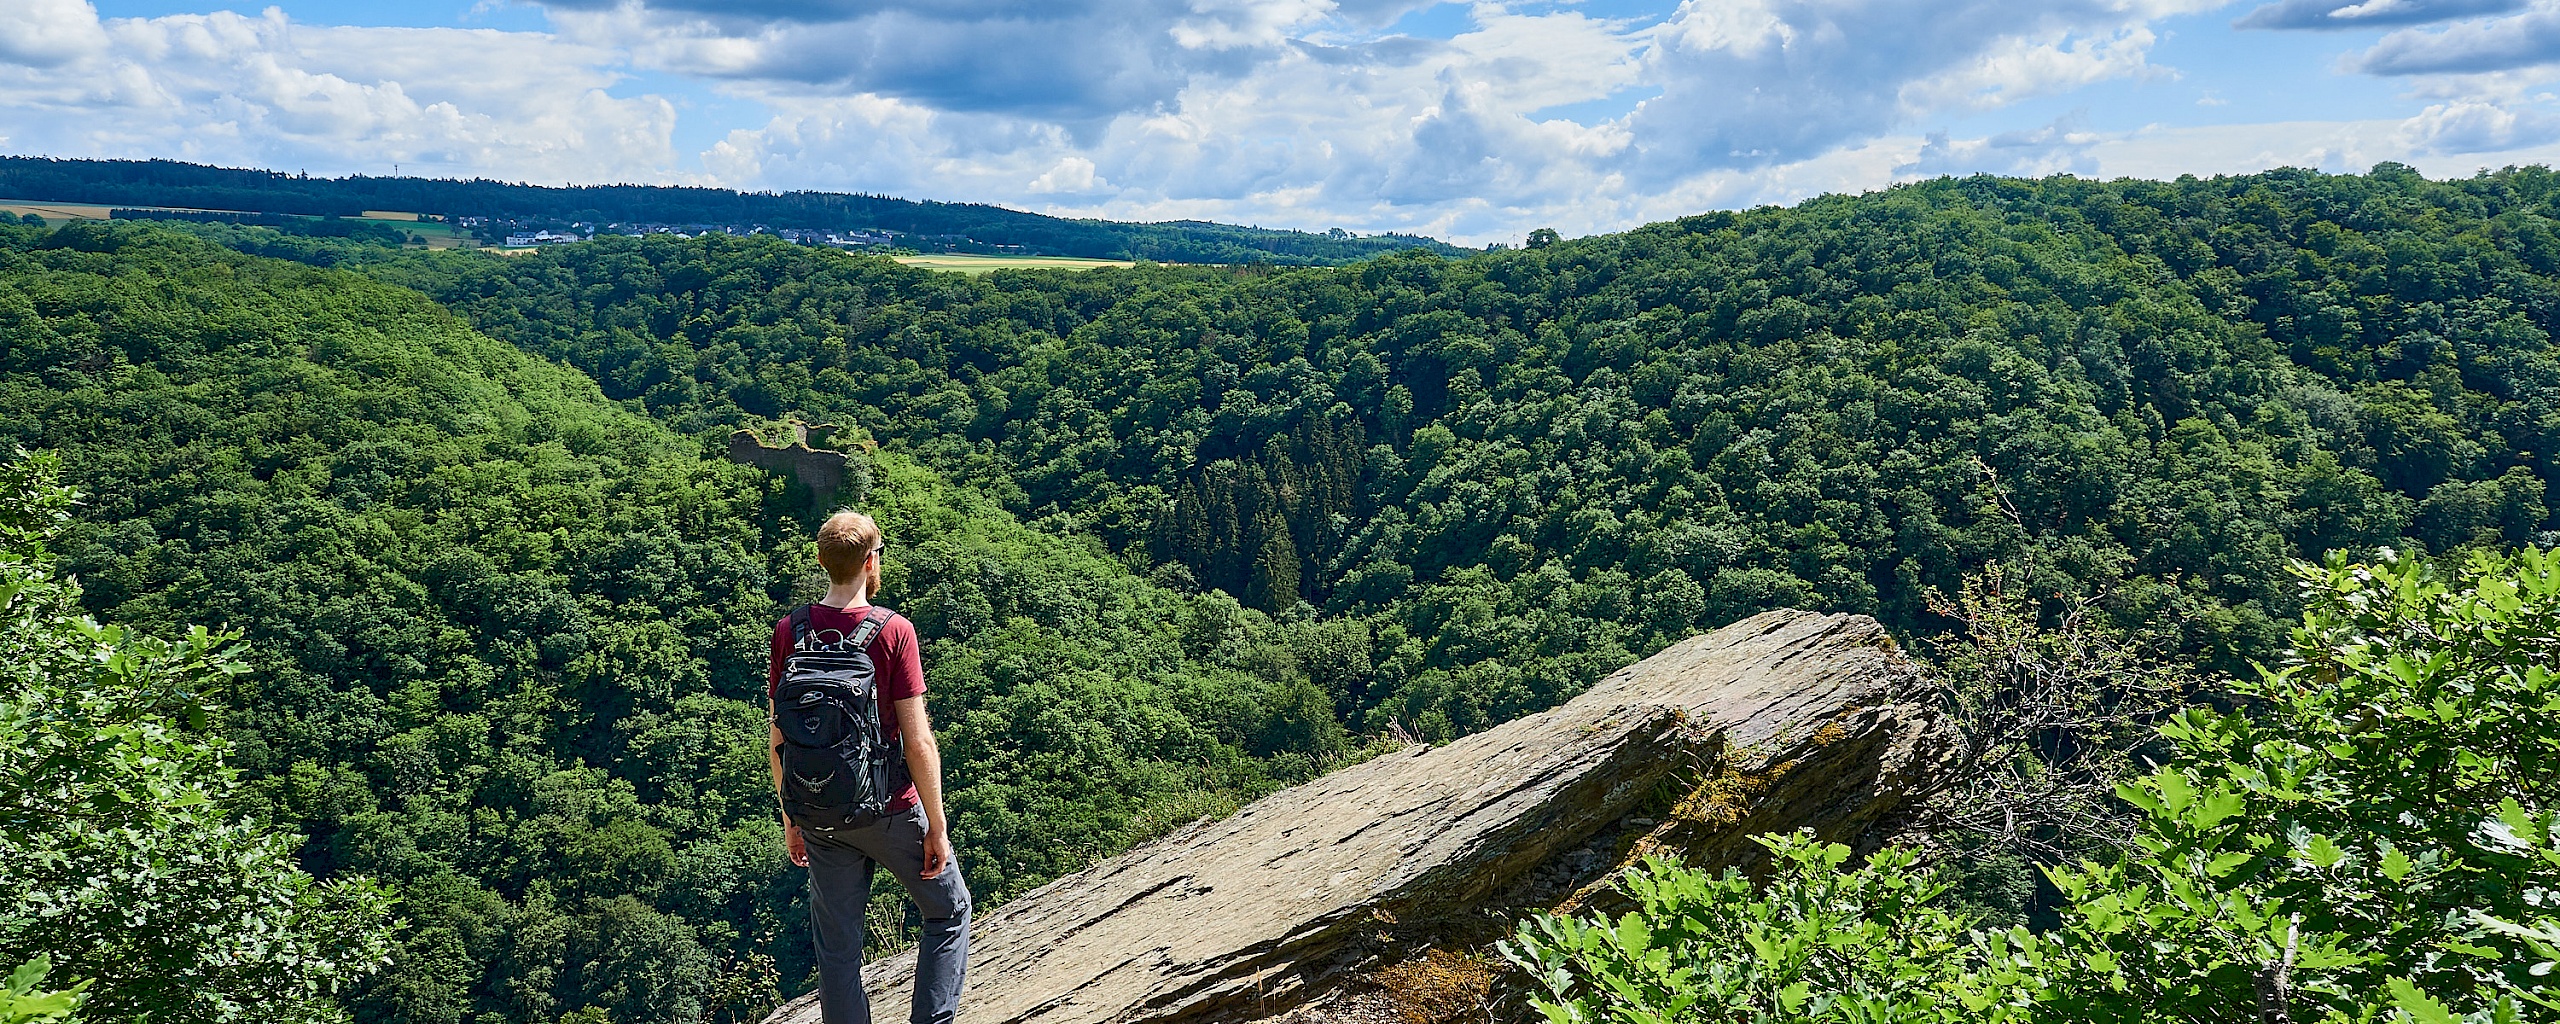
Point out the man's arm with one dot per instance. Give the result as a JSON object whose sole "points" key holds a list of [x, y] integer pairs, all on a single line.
{"points": [[924, 761], [792, 841]]}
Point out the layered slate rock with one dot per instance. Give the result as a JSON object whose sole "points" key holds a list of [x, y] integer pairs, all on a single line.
{"points": [[1780, 721]]}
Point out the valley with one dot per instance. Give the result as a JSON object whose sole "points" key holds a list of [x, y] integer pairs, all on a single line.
{"points": [[1179, 536]]}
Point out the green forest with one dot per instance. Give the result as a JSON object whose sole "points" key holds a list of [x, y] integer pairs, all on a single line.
{"points": [[506, 637], [487, 610], [1522, 470]]}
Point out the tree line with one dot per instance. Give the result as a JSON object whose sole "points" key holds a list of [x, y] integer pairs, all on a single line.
{"points": [[176, 183]]}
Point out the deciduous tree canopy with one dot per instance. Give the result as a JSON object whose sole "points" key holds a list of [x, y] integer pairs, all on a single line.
{"points": [[1523, 469], [507, 636], [1175, 535]]}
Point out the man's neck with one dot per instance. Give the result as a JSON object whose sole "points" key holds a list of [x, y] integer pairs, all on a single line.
{"points": [[846, 596]]}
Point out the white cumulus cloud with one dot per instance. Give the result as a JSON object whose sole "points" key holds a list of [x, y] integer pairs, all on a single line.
{"points": [[264, 90], [1756, 82], [1304, 113], [2351, 14], [1068, 61], [1073, 174], [1307, 115], [2528, 38], [2476, 126], [2061, 147]]}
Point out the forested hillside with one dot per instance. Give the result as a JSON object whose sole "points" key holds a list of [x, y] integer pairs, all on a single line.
{"points": [[1517, 471], [174, 183], [505, 636], [504, 614]]}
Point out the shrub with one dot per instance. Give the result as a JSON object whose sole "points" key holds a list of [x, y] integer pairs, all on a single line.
{"points": [[2351, 836], [116, 843], [1819, 943], [25, 1000], [2369, 835]]}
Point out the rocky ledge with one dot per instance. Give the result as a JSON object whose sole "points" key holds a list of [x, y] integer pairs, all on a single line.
{"points": [[1781, 721]]}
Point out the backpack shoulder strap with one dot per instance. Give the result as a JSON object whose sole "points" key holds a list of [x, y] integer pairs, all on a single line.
{"points": [[872, 622], [799, 625]]}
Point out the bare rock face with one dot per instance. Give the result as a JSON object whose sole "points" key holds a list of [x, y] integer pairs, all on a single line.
{"points": [[1781, 721]]}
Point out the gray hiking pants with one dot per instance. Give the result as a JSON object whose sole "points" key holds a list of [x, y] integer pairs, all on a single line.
{"points": [[840, 889]]}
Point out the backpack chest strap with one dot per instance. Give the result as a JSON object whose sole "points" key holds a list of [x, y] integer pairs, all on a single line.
{"points": [[874, 619]]}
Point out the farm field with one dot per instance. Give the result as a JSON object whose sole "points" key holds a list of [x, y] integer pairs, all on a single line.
{"points": [[438, 234], [54, 212], [968, 264]]}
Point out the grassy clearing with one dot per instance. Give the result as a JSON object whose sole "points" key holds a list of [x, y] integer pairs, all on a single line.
{"points": [[437, 234]]}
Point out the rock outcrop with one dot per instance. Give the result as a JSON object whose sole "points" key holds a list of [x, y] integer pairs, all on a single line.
{"points": [[1780, 721]]}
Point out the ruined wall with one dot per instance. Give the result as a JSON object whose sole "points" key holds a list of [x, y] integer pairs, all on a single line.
{"points": [[820, 470]]}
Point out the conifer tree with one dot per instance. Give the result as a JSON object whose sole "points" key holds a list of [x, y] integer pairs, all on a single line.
{"points": [[1275, 569]]}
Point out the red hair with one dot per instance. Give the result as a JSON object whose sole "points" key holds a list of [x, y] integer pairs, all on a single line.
{"points": [[845, 543]]}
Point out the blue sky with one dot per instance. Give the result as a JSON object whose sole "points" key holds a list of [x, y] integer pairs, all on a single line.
{"points": [[1471, 121]]}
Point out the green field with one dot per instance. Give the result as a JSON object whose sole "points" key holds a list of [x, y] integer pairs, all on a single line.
{"points": [[967, 264]]}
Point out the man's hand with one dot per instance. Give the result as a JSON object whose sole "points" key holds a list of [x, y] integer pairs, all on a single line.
{"points": [[937, 852], [798, 846]]}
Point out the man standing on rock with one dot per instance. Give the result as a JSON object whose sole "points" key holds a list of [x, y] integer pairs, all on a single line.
{"points": [[860, 780]]}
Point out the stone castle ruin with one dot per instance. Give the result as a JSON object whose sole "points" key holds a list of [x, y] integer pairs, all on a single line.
{"points": [[821, 470]]}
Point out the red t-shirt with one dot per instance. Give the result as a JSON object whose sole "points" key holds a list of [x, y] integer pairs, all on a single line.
{"points": [[897, 670]]}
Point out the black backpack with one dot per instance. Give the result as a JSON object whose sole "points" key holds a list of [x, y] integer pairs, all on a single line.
{"points": [[836, 770]]}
